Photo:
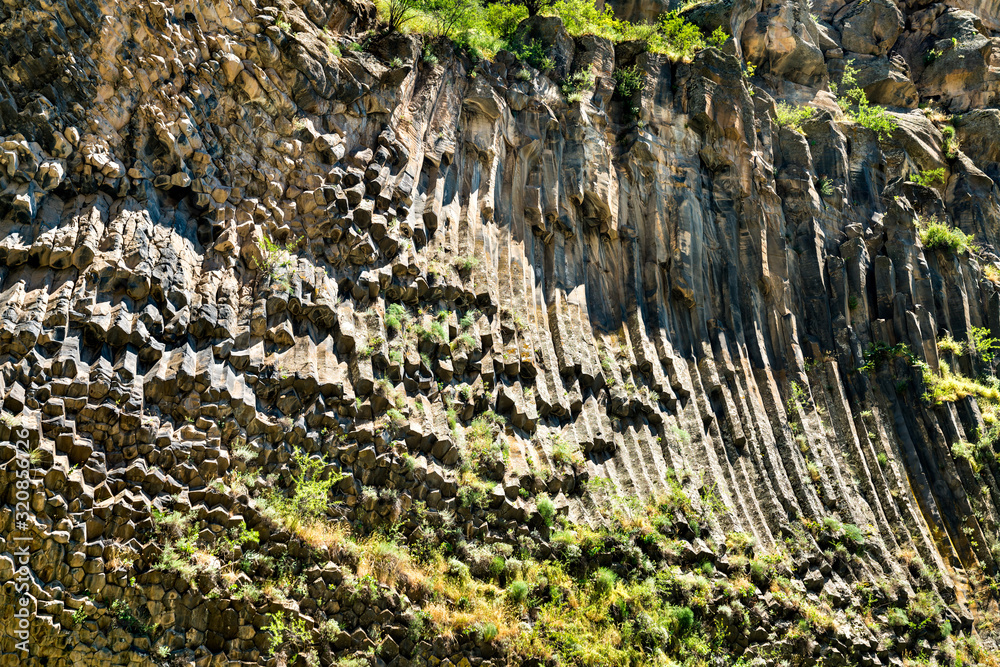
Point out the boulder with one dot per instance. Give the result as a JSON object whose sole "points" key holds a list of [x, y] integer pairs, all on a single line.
{"points": [[869, 26]]}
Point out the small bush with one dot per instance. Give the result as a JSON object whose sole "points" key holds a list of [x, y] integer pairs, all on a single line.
{"points": [[855, 104], [718, 37], [791, 116], [546, 510], [501, 19], [396, 317], [681, 39], [684, 618], [950, 144], [535, 54], [628, 81], [929, 177], [983, 344], [488, 631], [825, 186], [940, 236], [854, 536]]}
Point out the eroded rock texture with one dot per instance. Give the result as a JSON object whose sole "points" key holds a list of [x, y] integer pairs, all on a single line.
{"points": [[671, 283]]}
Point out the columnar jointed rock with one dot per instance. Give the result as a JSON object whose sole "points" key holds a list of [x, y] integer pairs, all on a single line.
{"points": [[224, 244]]}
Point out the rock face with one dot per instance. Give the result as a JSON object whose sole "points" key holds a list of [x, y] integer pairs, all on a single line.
{"points": [[228, 236]]}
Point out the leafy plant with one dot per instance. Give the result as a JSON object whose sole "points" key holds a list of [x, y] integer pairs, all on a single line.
{"points": [[517, 592], [628, 81], [535, 54], [274, 257], [578, 82], [395, 13], [128, 620], [825, 186], [681, 39], [937, 235], [718, 37], [546, 509], [854, 102], [983, 344], [604, 581], [792, 116], [950, 144], [929, 177], [879, 352], [450, 17]]}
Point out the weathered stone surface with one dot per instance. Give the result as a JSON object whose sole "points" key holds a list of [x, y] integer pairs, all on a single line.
{"points": [[241, 258]]}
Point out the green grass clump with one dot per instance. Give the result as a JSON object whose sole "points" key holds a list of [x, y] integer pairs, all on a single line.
{"points": [[396, 317], [517, 592], [948, 387], [604, 581], [948, 344]]}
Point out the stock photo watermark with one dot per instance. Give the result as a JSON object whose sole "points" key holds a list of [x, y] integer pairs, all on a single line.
{"points": [[22, 538]]}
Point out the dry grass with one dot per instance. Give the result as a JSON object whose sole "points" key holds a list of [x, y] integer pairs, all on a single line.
{"points": [[120, 557]]}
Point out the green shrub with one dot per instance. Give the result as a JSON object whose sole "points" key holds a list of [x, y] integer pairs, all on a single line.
{"points": [[718, 37], [825, 186], [466, 263], [967, 451], [581, 17], [488, 631], [983, 344], [791, 116], [128, 620], [450, 18], [929, 177], [628, 81], [535, 54], [680, 39], [311, 486], [546, 509], [948, 344], [854, 536], [940, 236], [501, 19], [739, 543], [950, 144], [684, 618], [396, 317], [394, 13], [565, 453], [854, 102]]}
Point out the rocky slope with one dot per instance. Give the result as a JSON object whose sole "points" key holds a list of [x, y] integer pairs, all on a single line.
{"points": [[230, 238]]}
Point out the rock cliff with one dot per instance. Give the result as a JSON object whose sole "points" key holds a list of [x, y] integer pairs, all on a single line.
{"points": [[257, 250]]}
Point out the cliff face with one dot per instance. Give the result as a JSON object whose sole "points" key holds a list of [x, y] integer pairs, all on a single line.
{"points": [[213, 211]]}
